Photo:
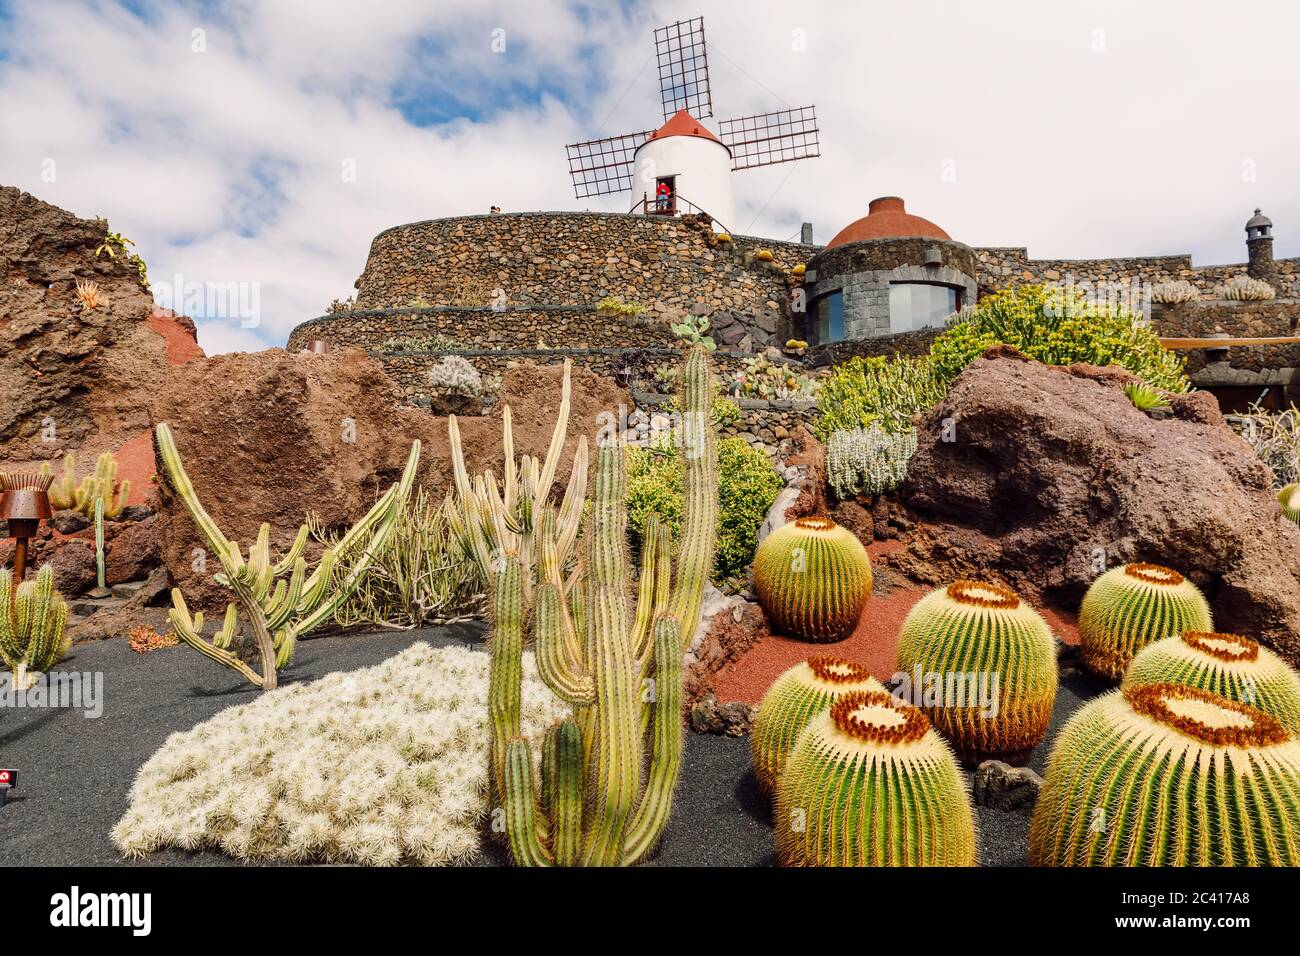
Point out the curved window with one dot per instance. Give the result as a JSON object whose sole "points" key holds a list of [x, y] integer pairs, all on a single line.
{"points": [[921, 305], [826, 318]]}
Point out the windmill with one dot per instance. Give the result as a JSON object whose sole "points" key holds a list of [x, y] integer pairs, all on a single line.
{"points": [[682, 166]]}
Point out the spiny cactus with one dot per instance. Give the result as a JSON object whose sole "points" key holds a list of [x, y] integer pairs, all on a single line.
{"points": [[1229, 665], [812, 578], [1131, 606], [278, 609], [1175, 291], [869, 783], [1246, 289], [1167, 775], [988, 661], [32, 621], [102, 483], [1289, 499], [795, 698], [601, 803], [868, 461], [454, 375]]}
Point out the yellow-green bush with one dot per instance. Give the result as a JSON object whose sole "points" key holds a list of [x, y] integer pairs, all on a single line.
{"points": [[747, 486], [875, 391]]}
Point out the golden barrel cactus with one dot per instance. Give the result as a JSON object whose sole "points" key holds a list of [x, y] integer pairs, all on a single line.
{"points": [[1229, 665], [869, 783], [795, 698], [1168, 775], [1289, 499], [981, 663], [812, 578], [1132, 606]]}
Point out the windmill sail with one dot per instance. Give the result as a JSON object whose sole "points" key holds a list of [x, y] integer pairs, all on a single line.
{"points": [[764, 139], [683, 68], [600, 167]]}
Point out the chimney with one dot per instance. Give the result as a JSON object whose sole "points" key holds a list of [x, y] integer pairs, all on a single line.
{"points": [[805, 234], [1259, 247]]}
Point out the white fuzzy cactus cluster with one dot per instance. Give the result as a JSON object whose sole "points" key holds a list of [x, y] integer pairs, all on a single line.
{"points": [[1177, 291], [377, 767], [1246, 289], [868, 461], [454, 375]]}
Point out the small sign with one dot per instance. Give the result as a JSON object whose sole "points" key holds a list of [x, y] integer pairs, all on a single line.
{"points": [[8, 778]]}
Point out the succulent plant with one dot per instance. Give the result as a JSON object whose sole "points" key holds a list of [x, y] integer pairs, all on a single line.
{"points": [[32, 621], [1168, 775], [67, 492], [869, 783], [277, 600], [812, 578], [1289, 499], [1144, 397], [794, 699], [868, 461], [1132, 606], [983, 664], [1246, 289], [692, 331], [1229, 665], [454, 375], [1175, 291], [608, 773]]}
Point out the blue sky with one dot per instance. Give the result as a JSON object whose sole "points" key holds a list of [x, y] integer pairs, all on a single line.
{"points": [[218, 135]]}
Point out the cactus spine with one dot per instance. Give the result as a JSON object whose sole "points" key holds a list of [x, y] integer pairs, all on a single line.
{"points": [[1167, 775], [1131, 606], [619, 668], [1229, 665], [1289, 499], [278, 609], [869, 783], [794, 699], [970, 637], [32, 621], [102, 483], [812, 578]]}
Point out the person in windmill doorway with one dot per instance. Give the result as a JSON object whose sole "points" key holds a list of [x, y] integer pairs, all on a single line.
{"points": [[666, 195]]}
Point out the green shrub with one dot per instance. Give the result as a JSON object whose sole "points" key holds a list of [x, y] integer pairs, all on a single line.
{"points": [[1057, 326], [613, 305], [867, 391], [747, 486]]}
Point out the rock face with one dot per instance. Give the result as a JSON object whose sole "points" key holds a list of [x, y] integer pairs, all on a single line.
{"points": [[1004, 787], [1055, 476], [270, 436], [73, 377]]}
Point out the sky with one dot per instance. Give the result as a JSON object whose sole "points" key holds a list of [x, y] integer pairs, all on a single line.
{"points": [[259, 145]]}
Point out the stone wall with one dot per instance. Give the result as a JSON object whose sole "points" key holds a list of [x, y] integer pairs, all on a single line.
{"points": [[1262, 366], [999, 268]]}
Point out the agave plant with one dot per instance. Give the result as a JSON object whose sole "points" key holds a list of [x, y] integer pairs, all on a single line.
{"points": [[1144, 397]]}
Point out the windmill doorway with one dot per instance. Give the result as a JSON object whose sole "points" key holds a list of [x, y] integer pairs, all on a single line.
{"points": [[665, 201]]}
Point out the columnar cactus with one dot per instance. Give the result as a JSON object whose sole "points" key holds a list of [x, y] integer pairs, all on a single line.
{"points": [[795, 698], [869, 783], [812, 578], [1168, 775], [1229, 665], [1289, 499], [277, 609], [102, 483], [982, 663], [1131, 606], [601, 802], [32, 621]]}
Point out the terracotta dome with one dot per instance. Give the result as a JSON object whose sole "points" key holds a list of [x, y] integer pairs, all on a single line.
{"points": [[887, 219], [683, 123]]}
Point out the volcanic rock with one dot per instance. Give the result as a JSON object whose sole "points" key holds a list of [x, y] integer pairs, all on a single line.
{"points": [[1054, 476]]}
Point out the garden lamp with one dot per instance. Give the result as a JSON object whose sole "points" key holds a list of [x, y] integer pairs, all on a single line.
{"points": [[25, 502]]}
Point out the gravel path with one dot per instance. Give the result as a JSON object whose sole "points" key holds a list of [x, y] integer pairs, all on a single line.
{"points": [[75, 772]]}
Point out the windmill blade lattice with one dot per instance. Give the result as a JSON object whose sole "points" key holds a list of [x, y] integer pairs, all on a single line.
{"points": [[764, 139], [683, 68]]}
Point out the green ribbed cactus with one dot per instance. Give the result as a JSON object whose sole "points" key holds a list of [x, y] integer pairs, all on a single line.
{"points": [[795, 698], [1131, 606], [982, 665], [1229, 665], [1289, 499], [600, 801], [278, 601], [102, 483], [869, 783], [812, 578], [1167, 775], [32, 621]]}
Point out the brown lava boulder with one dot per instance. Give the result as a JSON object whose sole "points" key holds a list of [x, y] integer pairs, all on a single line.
{"points": [[270, 436], [1054, 475]]}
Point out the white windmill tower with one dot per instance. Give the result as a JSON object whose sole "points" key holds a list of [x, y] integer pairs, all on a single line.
{"points": [[683, 167]]}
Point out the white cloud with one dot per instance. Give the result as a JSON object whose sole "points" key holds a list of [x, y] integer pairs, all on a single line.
{"points": [[1078, 129]]}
